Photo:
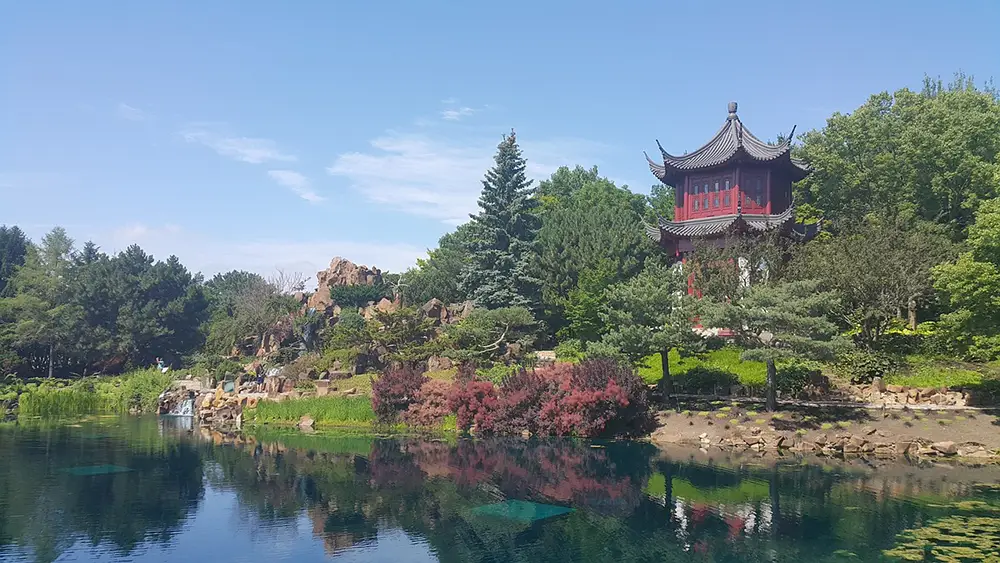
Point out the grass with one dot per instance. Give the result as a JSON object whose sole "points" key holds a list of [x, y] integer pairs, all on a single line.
{"points": [[751, 374], [343, 412], [925, 372], [328, 411]]}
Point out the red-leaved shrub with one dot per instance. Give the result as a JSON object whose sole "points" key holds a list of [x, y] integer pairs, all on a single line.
{"points": [[594, 398], [473, 402], [394, 391], [519, 400], [431, 404]]}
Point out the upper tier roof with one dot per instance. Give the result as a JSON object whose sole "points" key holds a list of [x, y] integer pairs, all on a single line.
{"points": [[733, 141]]}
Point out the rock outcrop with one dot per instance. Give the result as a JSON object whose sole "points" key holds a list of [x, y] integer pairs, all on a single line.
{"points": [[443, 314], [894, 395], [341, 272]]}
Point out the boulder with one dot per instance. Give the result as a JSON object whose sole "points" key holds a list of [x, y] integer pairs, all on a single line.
{"points": [[878, 385], [306, 422], [386, 306], [885, 449], [341, 272], [339, 375], [436, 311], [546, 357], [945, 448], [855, 444], [322, 387], [439, 363]]}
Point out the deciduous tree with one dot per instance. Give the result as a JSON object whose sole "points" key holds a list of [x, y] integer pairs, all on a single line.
{"points": [[971, 286]]}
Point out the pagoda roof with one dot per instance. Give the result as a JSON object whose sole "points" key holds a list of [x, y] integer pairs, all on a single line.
{"points": [[732, 142], [713, 226]]}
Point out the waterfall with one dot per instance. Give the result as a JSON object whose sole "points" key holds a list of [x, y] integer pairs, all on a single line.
{"points": [[183, 408]]}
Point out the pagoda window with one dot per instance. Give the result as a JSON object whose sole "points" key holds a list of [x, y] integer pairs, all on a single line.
{"points": [[754, 188], [695, 205]]}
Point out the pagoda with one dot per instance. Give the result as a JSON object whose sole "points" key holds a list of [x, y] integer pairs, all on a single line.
{"points": [[735, 184]]}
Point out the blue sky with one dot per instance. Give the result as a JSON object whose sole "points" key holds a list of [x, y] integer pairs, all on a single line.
{"points": [[262, 135]]}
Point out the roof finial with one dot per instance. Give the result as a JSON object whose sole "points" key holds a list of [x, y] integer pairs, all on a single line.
{"points": [[732, 110]]}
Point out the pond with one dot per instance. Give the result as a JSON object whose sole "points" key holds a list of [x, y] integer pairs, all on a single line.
{"points": [[144, 490]]}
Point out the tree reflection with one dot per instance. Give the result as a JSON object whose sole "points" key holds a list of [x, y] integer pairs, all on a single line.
{"points": [[45, 509], [629, 502]]}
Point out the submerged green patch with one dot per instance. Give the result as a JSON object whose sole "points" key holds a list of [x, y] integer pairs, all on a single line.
{"points": [[90, 470], [521, 511]]}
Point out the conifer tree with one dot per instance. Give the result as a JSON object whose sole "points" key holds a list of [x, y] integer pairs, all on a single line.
{"points": [[502, 241]]}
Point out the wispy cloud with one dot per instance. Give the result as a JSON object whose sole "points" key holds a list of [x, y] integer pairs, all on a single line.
{"points": [[454, 111], [244, 149], [441, 179], [455, 114], [210, 255], [131, 113], [297, 183]]}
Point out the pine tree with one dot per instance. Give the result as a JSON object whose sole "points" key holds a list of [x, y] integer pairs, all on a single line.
{"points": [[648, 314], [777, 320], [502, 242]]}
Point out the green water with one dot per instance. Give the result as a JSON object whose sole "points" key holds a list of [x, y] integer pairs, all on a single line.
{"points": [[144, 490]]}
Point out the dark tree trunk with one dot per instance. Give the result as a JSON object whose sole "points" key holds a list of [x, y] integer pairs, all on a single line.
{"points": [[666, 384], [772, 386]]}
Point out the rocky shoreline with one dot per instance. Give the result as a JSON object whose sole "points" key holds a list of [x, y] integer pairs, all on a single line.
{"points": [[869, 442]]}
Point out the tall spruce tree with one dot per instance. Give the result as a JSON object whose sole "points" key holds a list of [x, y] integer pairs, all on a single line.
{"points": [[502, 241]]}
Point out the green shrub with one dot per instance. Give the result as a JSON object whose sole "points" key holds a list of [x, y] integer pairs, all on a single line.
{"points": [[358, 295], [793, 377], [216, 365], [346, 356], [497, 372], [286, 355], [570, 351], [704, 379], [133, 391], [863, 366]]}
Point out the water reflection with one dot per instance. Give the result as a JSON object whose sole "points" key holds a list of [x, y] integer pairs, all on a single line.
{"points": [[303, 498]]}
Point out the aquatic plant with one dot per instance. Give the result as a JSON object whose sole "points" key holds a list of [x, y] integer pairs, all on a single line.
{"points": [[954, 538], [50, 401], [136, 392]]}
